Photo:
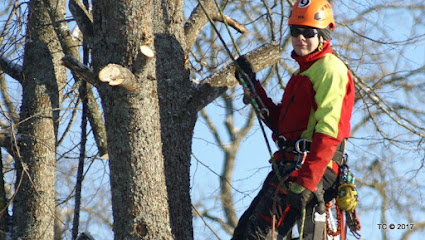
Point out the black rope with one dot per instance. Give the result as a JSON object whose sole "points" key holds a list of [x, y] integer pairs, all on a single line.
{"points": [[244, 80]]}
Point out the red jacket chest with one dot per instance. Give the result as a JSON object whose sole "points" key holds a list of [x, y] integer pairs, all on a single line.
{"points": [[296, 105]]}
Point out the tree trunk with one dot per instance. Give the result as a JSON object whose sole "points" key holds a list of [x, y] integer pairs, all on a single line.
{"points": [[34, 204], [142, 123], [178, 113]]}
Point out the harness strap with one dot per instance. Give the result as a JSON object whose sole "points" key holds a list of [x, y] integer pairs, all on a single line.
{"points": [[302, 146]]}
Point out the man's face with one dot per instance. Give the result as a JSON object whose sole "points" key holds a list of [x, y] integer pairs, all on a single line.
{"points": [[304, 40]]}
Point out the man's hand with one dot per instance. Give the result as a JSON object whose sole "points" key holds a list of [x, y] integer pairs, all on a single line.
{"points": [[299, 196], [245, 66]]}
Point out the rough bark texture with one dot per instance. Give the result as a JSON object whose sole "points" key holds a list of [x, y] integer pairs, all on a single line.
{"points": [[43, 77], [139, 193], [178, 117]]}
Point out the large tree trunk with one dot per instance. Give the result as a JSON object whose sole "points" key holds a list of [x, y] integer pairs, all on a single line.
{"points": [[142, 123], [178, 113], [34, 204]]}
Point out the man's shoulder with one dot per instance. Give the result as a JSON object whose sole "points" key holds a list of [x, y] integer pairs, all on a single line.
{"points": [[330, 60], [329, 63]]}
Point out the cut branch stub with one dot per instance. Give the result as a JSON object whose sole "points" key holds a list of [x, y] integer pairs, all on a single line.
{"points": [[117, 75], [147, 51]]}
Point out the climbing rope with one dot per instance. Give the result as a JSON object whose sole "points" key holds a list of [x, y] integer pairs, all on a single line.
{"points": [[257, 104], [303, 212], [339, 223]]}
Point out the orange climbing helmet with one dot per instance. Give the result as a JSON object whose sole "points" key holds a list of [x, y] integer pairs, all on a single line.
{"points": [[312, 13]]}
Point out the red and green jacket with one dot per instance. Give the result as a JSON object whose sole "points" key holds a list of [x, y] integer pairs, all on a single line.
{"points": [[316, 105]]}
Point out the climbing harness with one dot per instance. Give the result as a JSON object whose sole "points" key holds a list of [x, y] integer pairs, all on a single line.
{"points": [[302, 148]]}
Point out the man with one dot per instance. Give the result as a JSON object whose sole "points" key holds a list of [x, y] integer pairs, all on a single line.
{"points": [[313, 116]]}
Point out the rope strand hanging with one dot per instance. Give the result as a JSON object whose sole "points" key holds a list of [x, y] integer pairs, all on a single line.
{"points": [[256, 103]]}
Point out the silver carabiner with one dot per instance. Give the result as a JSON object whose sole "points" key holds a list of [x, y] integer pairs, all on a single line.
{"points": [[304, 145], [300, 159]]}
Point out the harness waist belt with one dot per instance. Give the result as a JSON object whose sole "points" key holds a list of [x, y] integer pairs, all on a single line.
{"points": [[303, 145], [299, 146]]}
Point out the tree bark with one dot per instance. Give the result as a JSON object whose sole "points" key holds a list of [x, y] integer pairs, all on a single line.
{"points": [[132, 119], [43, 79]]}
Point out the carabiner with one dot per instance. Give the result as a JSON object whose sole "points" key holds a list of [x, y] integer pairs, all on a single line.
{"points": [[300, 159], [304, 146]]}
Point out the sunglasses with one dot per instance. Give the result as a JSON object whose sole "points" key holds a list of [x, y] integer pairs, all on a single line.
{"points": [[307, 32]]}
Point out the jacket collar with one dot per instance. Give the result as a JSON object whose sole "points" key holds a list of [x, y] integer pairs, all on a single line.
{"points": [[306, 61]]}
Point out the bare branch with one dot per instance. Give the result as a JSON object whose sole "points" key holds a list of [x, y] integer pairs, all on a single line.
{"points": [[79, 69], [198, 19], [96, 121], [231, 21], [11, 68], [202, 215], [217, 83], [12, 115], [83, 17], [385, 106], [260, 58]]}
